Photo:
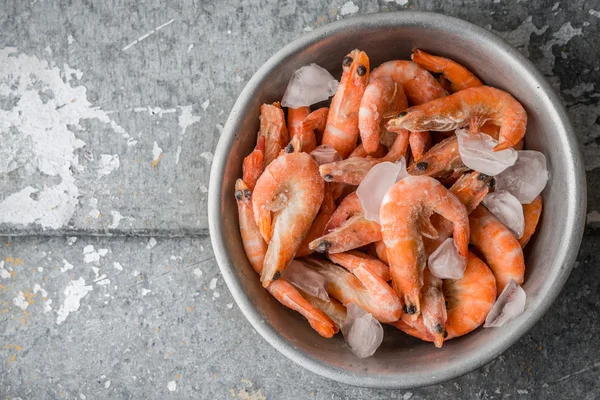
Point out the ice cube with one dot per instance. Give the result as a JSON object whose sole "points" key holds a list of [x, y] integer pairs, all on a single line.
{"points": [[510, 304], [476, 153], [445, 262], [362, 332], [507, 209], [325, 154], [376, 184], [308, 280], [526, 178], [309, 84]]}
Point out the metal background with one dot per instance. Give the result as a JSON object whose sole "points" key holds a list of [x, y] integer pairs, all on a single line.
{"points": [[401, 361]]}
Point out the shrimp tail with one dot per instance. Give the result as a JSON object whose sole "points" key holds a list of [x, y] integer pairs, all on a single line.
{"points": [[352, 234], [254, 164]]}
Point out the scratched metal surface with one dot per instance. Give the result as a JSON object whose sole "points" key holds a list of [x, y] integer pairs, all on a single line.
{"points": [[109, 114]]}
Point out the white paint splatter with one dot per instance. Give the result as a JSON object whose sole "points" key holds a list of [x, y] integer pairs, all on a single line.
{"points": [[203, 189], [82, 396], [148, 34], [66, 266], [219, 128], [108, 163], [405, 2], [595, 13], [135, 272], [70, 39], [4, 274], [39, 137], [305, 29], [106, 384], [156, 110], [103, 252], [117, 265], [213, 284], [207, 155], [230, 305], [151, 243], [407, 396], [522, 391], [593, 217], [40, 269], [74, 292], [156, 152], [229, 31], [71, 240], [555, 6], [20, 301], [205, 104], [190, 47], [94, 213], [102, 281], [177, 154], [172, 386], [566, 33], [145, 292], [238, 78], [521, 36], [47, 307], [197, 272], [116, 219], [216, 295], [348, 8], [186, 118]]}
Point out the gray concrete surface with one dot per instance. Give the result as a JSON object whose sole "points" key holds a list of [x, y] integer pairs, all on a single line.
{"points": [[109, 114]]}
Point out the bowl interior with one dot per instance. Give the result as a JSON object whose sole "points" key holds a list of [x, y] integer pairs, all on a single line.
{"points": [[402, 361]]}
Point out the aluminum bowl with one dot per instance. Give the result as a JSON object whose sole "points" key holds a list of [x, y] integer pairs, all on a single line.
{"points": [[401, 361]]}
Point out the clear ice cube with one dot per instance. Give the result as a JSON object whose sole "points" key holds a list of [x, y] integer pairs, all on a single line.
{"points": [[446, 263], [526, 178], [376, 183], [362, 332], [507, 209], [476, 153], [309, 84], [325, 154], [308, 280], [510, 304]]}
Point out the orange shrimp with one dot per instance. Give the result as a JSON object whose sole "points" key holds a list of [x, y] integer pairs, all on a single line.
{"points": [[441, 160], [532, 213], [254, 164], [333, 308], [469, 300], [473, 106], [405, 216], [457, 76], [360, 151], [420, 142], [498, 245], [357, 257], [354, 169], [341, 131], [381, 251], [318, 226], [273, 129], [383, 98], [315, 122], [287, 198], [295, 118], [255, 248], [347, 229], [418, 84], [359, 286], [433, 308]]}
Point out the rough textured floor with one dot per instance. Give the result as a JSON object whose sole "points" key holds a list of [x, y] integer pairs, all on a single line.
{"points": [[109, 114]]}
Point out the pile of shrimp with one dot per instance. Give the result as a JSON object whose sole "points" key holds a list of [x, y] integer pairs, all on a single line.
{"points": [[292, 207]]}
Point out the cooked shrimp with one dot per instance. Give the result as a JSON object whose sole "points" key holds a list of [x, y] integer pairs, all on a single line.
{"points": [[316, 122], [441, 160], [470, 189], [383, 98], [468, 302], [254, 164], [433, 308], [273, 129], [361, 287], [457, 76], [296, 129], [420, 142], [333, 308], [356, 258], [405, 216], [255, 248], [418, 84], [318, 226], [341, 131], [498, 245], [287, 198], [360, 151], [381, 251], [473, 106], [354, 169], [347, 229], [532, 212]]}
